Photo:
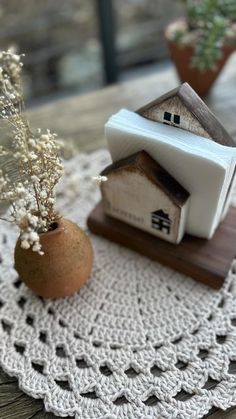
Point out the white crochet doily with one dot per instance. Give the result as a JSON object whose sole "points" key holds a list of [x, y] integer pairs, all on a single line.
{"points": [[138, 341]]}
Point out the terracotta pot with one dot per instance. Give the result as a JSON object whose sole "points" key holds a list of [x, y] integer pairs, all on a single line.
{"points": [[201, 81], [65, 265]]}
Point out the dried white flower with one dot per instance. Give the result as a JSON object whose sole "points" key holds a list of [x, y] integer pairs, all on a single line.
{"points": [[33, 236], [31, 193], [43, 194], [10, 76], [25, 244], [99, 179]]}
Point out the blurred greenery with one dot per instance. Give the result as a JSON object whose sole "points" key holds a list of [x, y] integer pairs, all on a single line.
{"points": [[212, 20]]}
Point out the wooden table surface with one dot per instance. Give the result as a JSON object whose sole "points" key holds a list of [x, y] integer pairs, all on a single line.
{"points": [[79, 120]]}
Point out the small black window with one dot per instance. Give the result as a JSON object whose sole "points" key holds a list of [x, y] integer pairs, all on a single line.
{"points": [[177, 119], [167, 116]]}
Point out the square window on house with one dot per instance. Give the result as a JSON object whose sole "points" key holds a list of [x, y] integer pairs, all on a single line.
{"points": [[167, 116], [176, 119]]}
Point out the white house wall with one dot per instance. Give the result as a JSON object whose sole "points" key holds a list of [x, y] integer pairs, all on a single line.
{"points": [[132, 197]]}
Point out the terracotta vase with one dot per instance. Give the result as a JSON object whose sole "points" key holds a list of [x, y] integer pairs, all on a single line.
{"points": [[65, 265], [200, 81]]}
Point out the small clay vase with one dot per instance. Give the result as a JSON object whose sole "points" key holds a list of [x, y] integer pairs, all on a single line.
{"points": [[65, 265]]}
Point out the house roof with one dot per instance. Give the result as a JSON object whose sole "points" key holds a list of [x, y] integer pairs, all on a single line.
{"points": [[145, 164], [161, 214], [198, 109]]}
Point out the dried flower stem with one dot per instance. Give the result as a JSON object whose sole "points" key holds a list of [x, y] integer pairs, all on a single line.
{"points": [[35, 155]]}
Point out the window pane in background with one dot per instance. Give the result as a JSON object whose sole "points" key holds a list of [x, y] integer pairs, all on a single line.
{"points": [[140, 28], [59, 38]]}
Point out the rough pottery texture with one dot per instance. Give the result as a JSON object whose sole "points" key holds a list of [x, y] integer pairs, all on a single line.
{"points": [[65, 265]]}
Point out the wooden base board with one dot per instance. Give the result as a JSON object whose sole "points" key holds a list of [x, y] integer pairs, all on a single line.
{"points": [[207, 261]]}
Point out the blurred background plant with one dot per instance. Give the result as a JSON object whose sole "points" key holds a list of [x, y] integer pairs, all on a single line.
{"points": [[209, 25]]}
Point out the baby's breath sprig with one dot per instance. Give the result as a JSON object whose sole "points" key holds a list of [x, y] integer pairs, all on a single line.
{"points": [[10, 74], [36, 162], [99, 179]]}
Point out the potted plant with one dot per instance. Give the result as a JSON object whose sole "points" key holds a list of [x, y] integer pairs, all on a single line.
{"points": [[53, 256], [201, 43]]}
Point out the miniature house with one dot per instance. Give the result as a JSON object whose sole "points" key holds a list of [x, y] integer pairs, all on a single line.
{"points": [[183, 108], [184, 138], [143, 194]]}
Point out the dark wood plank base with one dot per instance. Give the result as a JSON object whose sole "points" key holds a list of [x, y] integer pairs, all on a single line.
{"points": [[207, 261]]}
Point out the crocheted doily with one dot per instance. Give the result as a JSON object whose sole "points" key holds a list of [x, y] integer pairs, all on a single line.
{"points": [[138, 341]]}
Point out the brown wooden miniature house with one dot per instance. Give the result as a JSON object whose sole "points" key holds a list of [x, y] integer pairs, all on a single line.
{"points": [[183, 108], [142, 193]]}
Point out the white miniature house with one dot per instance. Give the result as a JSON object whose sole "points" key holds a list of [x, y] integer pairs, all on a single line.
{"points": [[140, 192], [173, 167]]}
